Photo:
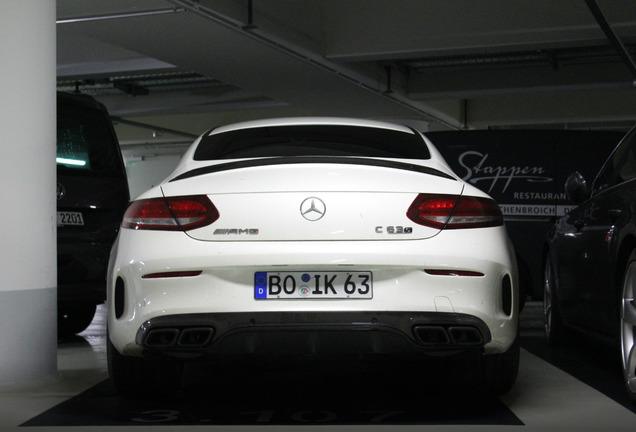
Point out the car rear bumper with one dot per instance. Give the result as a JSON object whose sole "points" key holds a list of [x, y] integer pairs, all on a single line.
{"points": [[313, 333], [222, 286]]}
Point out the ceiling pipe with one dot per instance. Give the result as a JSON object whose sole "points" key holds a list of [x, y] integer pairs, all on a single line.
{"points": [[153, 128], [612, 37], [314, 59], [250, 17], [119, 15]]}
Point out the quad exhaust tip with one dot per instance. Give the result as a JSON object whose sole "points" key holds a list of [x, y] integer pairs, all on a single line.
{"points": [[440, 336], [198, 337]]}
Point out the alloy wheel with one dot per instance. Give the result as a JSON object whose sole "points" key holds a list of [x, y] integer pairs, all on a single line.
{"points": [[548, 304], [628, 324]]}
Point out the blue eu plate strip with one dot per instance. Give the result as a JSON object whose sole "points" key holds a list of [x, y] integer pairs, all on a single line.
{"points": [[260, 285]]}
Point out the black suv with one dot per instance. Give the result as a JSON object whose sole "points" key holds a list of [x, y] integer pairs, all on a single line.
{"points": [[92, 195], [590, 259]]}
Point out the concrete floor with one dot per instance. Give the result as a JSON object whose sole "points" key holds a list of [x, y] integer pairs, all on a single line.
{"points": [[544, 398]]}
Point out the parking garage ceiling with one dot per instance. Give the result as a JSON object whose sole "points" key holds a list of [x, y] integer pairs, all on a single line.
{"points": [[187, 65]]}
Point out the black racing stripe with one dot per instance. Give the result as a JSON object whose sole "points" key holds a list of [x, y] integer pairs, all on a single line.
{"points": [[249, 163]]}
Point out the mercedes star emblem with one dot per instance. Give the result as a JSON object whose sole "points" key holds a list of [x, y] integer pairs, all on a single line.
{"points": [[61, 191], [313, 209]]}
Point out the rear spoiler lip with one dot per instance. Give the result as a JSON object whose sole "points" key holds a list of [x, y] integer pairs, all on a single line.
{"points": [[250, 163]]}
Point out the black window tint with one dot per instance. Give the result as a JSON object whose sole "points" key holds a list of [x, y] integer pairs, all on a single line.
{"points": [[85, 141], [314, 140], [621, 165]]}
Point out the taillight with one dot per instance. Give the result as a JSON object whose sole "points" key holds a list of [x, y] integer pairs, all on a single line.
{"points": [[453, 211], [170, 214]]}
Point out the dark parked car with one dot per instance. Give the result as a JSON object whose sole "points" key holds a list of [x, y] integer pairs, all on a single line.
{"points": [[590, 259], [524, 171], [92, 195]]}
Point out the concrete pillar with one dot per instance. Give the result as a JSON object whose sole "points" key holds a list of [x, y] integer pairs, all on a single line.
{"points": [[28, 275]]}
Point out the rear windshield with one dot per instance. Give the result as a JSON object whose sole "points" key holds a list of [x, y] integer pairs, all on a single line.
{"points": [[312, 140], [85, 141]]}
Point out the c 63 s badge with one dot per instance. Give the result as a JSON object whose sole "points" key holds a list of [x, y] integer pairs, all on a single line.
{"points": [[236, 231], [391, 229]]}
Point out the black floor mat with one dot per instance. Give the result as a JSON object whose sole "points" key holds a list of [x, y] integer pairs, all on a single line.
{"points": [[292, 394]]}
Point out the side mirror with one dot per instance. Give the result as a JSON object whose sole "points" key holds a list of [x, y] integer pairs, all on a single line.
{"points": [[576, 187]]}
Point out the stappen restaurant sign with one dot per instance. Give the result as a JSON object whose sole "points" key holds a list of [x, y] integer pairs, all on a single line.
{"points": [[516, 181], [525, 171], [480, 173]]}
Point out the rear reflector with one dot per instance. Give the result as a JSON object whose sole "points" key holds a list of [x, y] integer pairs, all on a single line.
{"points": [[170, 214], [454, 212], [445, 272], [172, 274]]}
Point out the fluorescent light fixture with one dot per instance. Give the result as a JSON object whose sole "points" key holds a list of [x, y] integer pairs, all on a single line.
{"points": [[74, 162]]}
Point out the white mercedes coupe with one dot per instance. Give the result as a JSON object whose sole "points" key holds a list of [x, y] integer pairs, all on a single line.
{"points": [[311, 236]]}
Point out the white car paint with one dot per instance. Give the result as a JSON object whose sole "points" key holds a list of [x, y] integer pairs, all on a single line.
{"points": [[261, 229]]}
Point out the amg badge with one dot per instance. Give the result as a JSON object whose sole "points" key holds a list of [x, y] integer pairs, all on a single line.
{"points": [[236, 231]]}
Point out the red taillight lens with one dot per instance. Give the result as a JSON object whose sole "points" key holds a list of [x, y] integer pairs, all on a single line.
{"points": [[170, 214], [453, 212]]}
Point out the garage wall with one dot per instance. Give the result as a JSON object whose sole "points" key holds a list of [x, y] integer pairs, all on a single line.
{"points": [[148, 170]]}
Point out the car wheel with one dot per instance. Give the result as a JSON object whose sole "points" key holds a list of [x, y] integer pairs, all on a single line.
{"points": [[628, 326], [553, 323], [73, 319], [140, 377]]}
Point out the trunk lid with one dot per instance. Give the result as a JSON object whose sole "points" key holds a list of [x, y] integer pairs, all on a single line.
{"points": [[314, 201]]}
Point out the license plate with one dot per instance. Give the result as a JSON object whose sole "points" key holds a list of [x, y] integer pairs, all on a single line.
{"points": [[313, 285], [66, 218]]}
